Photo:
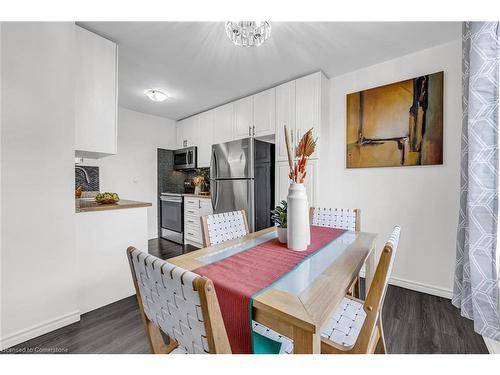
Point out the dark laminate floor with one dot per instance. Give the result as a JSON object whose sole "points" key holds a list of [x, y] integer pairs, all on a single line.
{"points": [[414, 323], [166, 249]]}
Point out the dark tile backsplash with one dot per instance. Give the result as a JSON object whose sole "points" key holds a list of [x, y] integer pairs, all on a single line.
{"points": [[172, 181], [93, 173]]}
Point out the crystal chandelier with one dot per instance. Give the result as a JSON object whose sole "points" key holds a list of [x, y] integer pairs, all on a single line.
{"points": [[248, 33]]}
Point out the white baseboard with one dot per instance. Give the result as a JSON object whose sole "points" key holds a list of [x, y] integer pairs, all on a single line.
{"points": [[419, 287], [38, 330]]}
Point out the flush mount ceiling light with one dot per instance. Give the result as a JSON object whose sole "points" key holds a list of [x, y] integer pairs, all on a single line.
{"points": [[156, 95], [248, 33]]}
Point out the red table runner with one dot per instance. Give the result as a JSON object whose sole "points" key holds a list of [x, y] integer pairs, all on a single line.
{"points": [[240, 276]]}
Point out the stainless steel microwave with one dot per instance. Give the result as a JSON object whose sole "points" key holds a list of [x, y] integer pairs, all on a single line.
{"points": [[186, 158]]}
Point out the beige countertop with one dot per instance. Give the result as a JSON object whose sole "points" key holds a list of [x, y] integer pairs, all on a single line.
{"points": [[91, 205], [207, 196]]}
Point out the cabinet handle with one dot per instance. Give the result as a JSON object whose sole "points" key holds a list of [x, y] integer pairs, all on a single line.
{"points": [[199, 204], [249, 131], [253, 128]]}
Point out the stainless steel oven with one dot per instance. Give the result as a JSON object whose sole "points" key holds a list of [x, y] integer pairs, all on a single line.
{"points": [[172, 217], [186, 158]]}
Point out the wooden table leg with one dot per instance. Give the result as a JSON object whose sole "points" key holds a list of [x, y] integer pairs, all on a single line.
{"points": [[305, 342], [370, 267]]}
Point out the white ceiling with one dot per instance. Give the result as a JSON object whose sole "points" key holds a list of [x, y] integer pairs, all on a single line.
{"points": [[199, 67]]}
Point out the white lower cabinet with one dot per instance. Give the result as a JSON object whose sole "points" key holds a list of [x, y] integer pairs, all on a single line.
{"points": [[282, 181], [194, 209]]}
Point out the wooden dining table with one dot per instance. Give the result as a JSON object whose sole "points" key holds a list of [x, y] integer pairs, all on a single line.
{"points": [[301, 302]]}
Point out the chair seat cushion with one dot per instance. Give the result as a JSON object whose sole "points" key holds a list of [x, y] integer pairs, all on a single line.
{"points": [[345, 324], [342, 329]]}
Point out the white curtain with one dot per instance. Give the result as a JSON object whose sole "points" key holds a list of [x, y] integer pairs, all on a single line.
{"points": [[476, 288]]}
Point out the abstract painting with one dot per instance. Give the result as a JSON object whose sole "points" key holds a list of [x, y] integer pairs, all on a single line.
{"points": [[400, 124]]}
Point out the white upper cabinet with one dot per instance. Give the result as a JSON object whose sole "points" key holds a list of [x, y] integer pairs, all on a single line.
{"points": [[307, 93], [311, 105], [205, 133], [179, 134], [197, 131], [96, 95], [285, 115], [187, 132], [223, 123], [243, 117], [264, 113], [299, 104]]}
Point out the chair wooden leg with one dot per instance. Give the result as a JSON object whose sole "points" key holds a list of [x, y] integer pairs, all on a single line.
{"points": [[380, 348], [356, 291], [156, 341]]}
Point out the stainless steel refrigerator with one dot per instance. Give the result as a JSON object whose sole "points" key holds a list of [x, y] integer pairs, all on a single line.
{"points": [[242, 177]]}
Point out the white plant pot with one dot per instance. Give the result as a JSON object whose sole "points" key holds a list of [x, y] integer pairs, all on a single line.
{"points": [[282, 234], [299, 231]]}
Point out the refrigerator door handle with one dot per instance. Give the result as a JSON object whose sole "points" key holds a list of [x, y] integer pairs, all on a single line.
{"points": [[251, 204], [213, 165], [213, 193]]}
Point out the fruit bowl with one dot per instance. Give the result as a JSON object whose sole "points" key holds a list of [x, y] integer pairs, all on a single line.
{"points": [[107, 198]]}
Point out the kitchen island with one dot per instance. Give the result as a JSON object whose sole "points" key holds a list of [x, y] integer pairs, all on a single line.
{"points": [[103, 233]]}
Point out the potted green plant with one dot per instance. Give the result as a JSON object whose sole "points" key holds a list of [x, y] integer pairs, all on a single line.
{"points": [[279, 216]]}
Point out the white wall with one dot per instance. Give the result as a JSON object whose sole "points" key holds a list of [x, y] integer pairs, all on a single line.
{"points": [[423, 200], [1, 331], [37, 187], [132, 172]]}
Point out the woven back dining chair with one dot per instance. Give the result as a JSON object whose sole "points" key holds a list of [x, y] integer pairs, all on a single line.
{"points": [[178, 303], [341, 218], [218, 228], [356, 326]]}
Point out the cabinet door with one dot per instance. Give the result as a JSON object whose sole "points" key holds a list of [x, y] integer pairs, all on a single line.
{"points": [[95, 95], [179, 136], [205, 207], [243, 117], [311, 182], [190, 131], [307, 104], [223, 123], [264, 112], [282, 181], [285, 115], [205, 133]]}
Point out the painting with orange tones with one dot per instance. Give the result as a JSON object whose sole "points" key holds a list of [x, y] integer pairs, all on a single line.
{"points": [[400, 124]]}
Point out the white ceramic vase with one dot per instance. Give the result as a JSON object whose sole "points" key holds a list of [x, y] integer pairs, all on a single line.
{"points": [[282, 234], [299, 232]]}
